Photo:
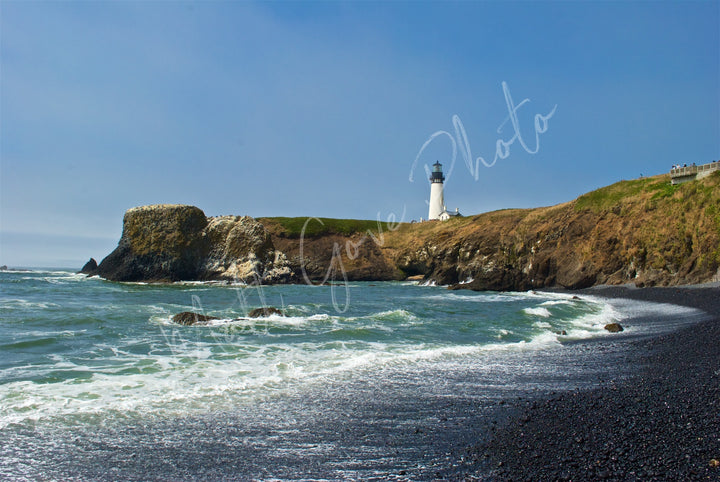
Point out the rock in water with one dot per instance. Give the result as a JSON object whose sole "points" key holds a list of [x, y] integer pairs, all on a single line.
{"points": [[163, 242], [190, 318], [613, 327], [90, 268], [170, 242], [260, 312]]}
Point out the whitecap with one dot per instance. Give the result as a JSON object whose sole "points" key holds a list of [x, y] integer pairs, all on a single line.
{"points": [[539, 311], [542, 324], [555, 302], [393, 314]]}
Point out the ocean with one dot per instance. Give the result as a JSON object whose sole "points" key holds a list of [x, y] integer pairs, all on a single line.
{"points": [[363, 380]]}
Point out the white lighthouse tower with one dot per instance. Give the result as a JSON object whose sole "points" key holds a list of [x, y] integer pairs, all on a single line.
{"points": [[437, 203]]}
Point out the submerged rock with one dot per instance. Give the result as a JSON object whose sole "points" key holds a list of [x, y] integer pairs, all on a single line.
{"points": [[613, 327], [190, 318], [266, 311]]}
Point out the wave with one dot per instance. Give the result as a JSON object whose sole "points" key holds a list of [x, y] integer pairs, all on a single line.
{"points": [[272, 320], [187, 374], [539, 311], [393, 315], [139, 363], [542, 324], [45, 271], [34, 342], [555, 302], [477, 297], [21, 303]]}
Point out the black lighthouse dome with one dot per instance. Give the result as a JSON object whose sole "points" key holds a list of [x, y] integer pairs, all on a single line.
{"points": [[437, 174]]}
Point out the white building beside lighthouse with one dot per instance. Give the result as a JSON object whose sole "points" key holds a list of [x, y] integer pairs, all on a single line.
{"points": [[437, 201]]}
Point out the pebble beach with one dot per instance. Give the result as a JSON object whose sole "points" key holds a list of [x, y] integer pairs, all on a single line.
{"points": [[659, 424]]}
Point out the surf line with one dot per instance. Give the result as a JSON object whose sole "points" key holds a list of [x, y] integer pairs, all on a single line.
{"points": [[502, 147], [352, 250]]}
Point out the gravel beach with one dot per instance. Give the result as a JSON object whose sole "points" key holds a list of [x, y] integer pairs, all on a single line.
{"points": [[662, 423]]}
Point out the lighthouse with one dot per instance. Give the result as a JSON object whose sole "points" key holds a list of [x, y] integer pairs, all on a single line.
{"points": [[437, 203]]}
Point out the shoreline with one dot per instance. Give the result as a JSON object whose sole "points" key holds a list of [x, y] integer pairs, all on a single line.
{"points": [[661, 423], [453, 419]]}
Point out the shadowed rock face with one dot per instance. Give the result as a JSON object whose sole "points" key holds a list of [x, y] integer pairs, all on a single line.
{"points": [[90, 268], [159, 243]]}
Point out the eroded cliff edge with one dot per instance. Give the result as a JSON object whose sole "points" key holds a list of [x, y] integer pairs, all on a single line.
{"points": [[643, 231], [170, 242]]}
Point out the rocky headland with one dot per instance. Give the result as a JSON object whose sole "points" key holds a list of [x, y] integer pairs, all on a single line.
{"points": [[170, 242], [643, 231]]}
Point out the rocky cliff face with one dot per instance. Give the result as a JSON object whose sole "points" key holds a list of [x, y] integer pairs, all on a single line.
{"points": [[161, 242], [645, 231], [174, 242], [240, 248]]}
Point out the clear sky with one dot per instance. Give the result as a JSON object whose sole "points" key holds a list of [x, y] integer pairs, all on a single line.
{"points": [[321, 108]]}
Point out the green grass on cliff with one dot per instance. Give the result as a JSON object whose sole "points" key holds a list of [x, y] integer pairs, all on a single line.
{"points": [[293, 227], [610, 196]]}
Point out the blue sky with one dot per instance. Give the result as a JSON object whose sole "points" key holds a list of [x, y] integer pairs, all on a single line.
{"points": [[320, 108]]}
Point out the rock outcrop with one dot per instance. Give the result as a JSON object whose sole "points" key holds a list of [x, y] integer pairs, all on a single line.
{"points": [[240, 248], [162, 242], [645, 231], [264, 312], [170, 242], [189, 318], [614, 327], [90, 268]]}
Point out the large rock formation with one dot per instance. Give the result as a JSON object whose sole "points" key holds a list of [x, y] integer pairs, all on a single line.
{"points": [[159, 243], [169, 242], [644, 231]]}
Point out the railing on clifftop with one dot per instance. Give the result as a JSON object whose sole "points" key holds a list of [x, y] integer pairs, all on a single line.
{"points": [[690, 173]]}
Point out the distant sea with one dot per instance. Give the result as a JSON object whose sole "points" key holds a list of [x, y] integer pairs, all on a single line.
{"points": [[96, 382]]}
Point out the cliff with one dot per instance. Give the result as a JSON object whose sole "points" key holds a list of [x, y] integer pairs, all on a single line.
{"points": [[644, 231], [169, 242]]}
